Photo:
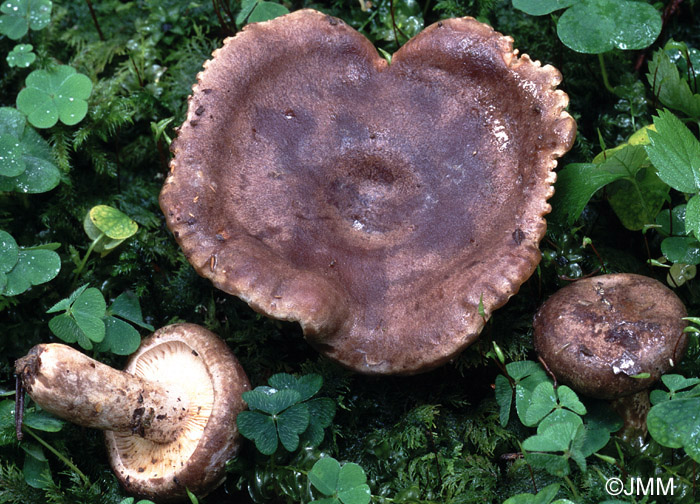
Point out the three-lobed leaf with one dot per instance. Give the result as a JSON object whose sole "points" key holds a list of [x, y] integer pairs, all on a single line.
{"points": [[21, 56], [57, 93], [20, 15], [346, 484]]}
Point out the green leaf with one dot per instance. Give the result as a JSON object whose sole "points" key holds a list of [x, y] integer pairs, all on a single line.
{"points": [[64, 304], [88, 310], [12, 122], [21, 56], [20, 15], [542, 7], [552, 438], [33, 267], [681, 249], [598, 26], [43, 421], [112, 222], [504, 398], [259, 428], [64, 327], [37, 473], [7, 422], [575, 186], [637, 202], [544, 496], [270, 400], [558, 465], [321, 413], [57, 93], [675, 153], [676, 424], [290, 424], [676, 382], [352, 485], [120, 337], [542, 402], [324, 475], [692, 216], [40, 174], [11, 162], [672, 222], [569, 399], [667, 84], [264, 11], [9, 252], [33, 450], [127, 306]]}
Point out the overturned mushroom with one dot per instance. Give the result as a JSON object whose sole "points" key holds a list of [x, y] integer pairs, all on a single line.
{"points": [[611, 337], [378, 205], [169, 418]]}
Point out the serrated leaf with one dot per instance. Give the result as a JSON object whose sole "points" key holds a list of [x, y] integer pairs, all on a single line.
{"points": [[692, 216], [260, 428], [675, 153], [667, 84], [598, 26]]}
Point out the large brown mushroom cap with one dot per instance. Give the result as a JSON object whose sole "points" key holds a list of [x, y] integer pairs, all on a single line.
{"points": [[375, 204], [191, 359], [599, 332]]}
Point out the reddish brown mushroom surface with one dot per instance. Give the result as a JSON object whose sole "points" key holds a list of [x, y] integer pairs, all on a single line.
{"points": [[375, 204]]}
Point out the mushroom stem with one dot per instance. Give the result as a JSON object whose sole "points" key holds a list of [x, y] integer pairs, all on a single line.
{"points": [[71, 385], [633, 409]]}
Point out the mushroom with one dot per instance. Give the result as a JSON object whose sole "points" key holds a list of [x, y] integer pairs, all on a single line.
{"points": [[611, 337], [380, 206], [169, 417]]}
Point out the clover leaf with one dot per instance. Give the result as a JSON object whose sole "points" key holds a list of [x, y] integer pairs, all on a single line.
{"points": [[598, 26], [286, 413], [346, 484], [20, 268], [87, 321], [26, 160], [20, 15], [57, 93], [21, 56], [82, 321]]}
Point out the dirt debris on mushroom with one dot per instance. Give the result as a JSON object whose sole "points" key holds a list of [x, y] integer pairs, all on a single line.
{"points": [[169, 417], [611, 337], [378, 205]]}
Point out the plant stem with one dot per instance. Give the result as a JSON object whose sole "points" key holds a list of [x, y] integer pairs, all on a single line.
{"points": [[59, 455], [604, 73], [94, 20], [572, 488], [87, 255]]}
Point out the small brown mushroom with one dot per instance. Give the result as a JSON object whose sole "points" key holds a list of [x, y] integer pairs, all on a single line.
{"points": [[378, 205], [611, 337], [169, 417]]}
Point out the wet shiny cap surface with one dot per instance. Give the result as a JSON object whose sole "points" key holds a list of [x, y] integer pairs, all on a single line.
{"points": [[599, 334], [375, 204]]}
